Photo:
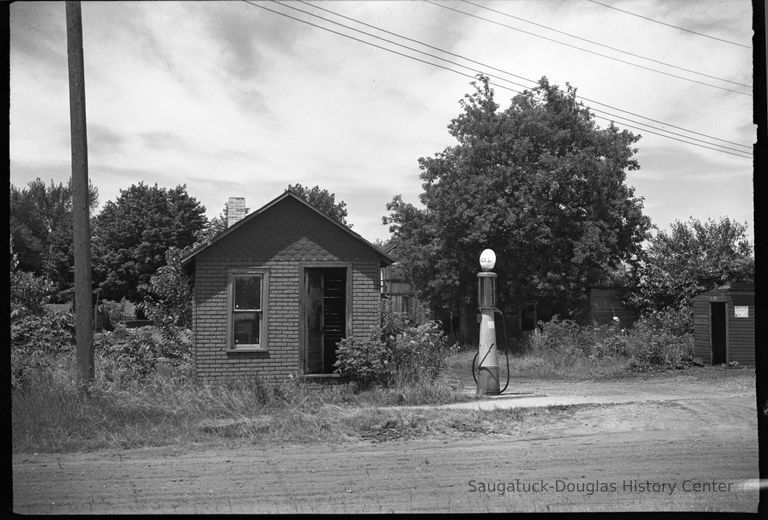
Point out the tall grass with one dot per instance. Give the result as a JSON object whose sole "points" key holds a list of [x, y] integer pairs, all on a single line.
{"points": [[167, 407], [161, 404], [567, 350], [530, 364], [652, 344]]}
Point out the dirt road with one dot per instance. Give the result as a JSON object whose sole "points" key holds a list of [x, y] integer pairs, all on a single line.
{"points": [[694, 453]]}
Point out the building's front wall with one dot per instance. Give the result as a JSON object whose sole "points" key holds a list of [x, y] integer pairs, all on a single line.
{"points": [[740, 331], [283, 240], [702, 348]]}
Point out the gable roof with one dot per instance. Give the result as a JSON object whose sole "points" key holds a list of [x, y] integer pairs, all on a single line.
{"points": [[187, 260]]}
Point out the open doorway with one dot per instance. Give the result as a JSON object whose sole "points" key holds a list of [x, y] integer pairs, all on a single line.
{"points": [[325, 317], [717, 332]]}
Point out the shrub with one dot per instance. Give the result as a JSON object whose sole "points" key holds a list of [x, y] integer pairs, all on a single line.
{"points": [[168, 298], [46, 332], [36, 332], [28, 293], [676, 322], [554, 335], [557, 337], [363, 360], [658, 340], [394, 355], [135, 353], [115, 313], [420, 353], [393, 324], [35, 339]]}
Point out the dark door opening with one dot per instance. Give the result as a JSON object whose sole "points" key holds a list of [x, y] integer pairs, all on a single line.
{"points": [[528, 319], [717, 332], [326, 317]]}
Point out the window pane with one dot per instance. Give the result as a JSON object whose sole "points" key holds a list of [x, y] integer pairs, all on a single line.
{"points": [[246, 328], [248, 292]]}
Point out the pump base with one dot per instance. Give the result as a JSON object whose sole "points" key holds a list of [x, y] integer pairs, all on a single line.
{"points": [[488, 381]]}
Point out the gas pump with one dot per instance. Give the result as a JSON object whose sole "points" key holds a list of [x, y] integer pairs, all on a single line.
{"points": [[488, 367]]}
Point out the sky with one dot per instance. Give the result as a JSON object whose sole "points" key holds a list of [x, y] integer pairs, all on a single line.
{"points": [[233, 100]]}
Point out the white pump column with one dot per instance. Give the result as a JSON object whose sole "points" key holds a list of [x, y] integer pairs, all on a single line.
{"points": [[488, 366]]}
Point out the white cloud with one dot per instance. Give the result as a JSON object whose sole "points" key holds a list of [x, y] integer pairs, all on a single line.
{"points": [[234, 100]]}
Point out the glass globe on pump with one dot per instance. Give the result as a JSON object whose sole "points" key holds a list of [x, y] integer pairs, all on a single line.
{"points": [[487, 259]]}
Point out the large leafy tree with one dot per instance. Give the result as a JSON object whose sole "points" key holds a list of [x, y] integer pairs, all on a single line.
{"points": [[168, 299], [212, 228], [323, 200], [541, 184], [41, 231], [691, 258], [132, 234]]}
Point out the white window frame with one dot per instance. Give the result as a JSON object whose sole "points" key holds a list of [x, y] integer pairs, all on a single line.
{"points": [[263, 275]]}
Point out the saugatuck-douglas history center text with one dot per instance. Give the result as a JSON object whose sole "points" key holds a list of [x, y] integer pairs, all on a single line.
{"points": [[591, 487]]}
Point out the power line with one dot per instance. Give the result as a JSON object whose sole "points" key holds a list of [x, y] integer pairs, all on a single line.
{"points": [[518, 76], [723, 149], [616, 118], [736, 153], [606, 46], [664, 123], [587, 50], [459, 72], [361, 41], [670, 25], [395, 43], [623, 119], [418, 41]]}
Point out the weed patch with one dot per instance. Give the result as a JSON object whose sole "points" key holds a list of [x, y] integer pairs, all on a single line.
{"points": [[164, 406]]}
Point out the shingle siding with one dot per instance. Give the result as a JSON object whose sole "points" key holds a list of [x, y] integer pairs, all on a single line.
{"points": [[284, 239]]}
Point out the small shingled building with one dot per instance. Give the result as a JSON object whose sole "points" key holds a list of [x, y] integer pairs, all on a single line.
{"points": [[724, 325], [276, 290]]}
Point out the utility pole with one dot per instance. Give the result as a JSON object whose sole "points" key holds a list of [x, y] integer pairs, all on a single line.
{"points": [[80, 197]]}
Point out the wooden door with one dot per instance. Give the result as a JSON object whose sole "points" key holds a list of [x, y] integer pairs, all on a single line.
{"points": [[325, 317]]}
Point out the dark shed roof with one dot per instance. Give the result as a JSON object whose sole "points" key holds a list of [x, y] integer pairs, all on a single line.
{"points": [[188, 260], [733, 288]]}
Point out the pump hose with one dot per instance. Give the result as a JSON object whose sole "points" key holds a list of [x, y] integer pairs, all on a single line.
{"points": [[506, 353]]}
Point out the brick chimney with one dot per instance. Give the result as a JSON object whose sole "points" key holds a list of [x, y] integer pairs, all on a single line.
{"points": [[236, 210]]}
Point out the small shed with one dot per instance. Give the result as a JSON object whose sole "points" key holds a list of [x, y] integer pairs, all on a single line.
{"points": [[398, 295], [275, 292], [606, 307], [724, 325]]}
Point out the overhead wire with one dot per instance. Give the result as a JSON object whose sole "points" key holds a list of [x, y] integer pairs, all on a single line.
{"points": [[250, 2], [533, 82], [314, 4], [622, 119], [465, 13], [614, 119], [664, 123], [670, 25], [604, 45], [390, 41], [736, 153]]}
